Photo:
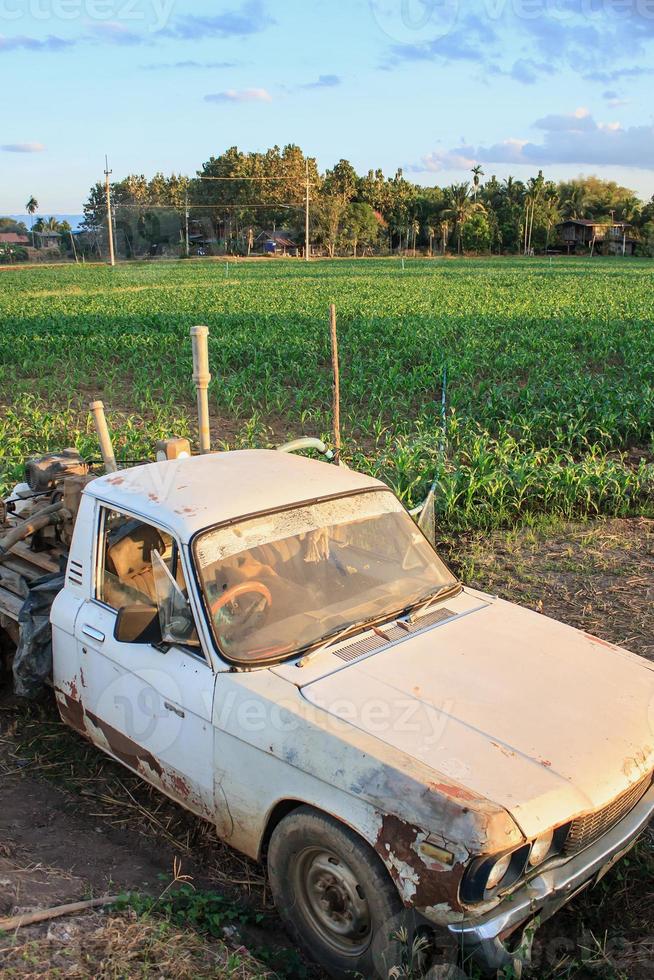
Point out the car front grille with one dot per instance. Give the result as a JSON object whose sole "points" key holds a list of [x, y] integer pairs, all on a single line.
{"points": [[587, 829]]}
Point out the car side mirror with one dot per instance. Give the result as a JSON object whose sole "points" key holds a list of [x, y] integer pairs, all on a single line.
{"points": [[137, 624]]}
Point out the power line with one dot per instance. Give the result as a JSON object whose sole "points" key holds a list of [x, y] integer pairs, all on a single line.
{"points": [[208, 207], [243, 178], [110, 230], [226, 207]]}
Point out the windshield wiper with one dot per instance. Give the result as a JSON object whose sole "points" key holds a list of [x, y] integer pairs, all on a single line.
{"points": [[423, 604], [330, 639], [340, 634]]}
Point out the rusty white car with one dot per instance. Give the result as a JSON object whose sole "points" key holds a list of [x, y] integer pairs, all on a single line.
{"points": [[273, 643]]}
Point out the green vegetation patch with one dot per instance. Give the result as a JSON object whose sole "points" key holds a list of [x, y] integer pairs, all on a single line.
{"points": [[550, 393]]}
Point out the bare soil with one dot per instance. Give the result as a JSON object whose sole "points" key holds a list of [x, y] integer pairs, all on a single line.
{"points": [[74, 824]]}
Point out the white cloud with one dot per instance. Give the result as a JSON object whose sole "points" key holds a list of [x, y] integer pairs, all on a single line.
{"points": [[613, 99], [240, 95], [584, 36], [23, 147], [579, 121], [574, 138], [114, 32], [443, 160]]}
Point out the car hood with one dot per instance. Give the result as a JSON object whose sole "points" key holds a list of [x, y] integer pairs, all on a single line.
{"points": [[518, 709]]}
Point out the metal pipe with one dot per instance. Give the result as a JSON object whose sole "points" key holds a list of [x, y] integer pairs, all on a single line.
{"points": [[336, 396], [106, 449], [202, 377], [305, 442], [35, 523]]}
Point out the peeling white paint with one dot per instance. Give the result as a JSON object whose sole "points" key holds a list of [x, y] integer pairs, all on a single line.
{"points": [[406, 877]]}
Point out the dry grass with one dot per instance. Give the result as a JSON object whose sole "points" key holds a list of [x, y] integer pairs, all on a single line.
{"points": [[596, 576], [39, 745], [121, 946]]}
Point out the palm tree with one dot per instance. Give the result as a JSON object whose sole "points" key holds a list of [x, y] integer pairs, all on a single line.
{"points": [[415, 228], [31, 207], [550, 211], [575, 205], [514, 193], [534, 195], [629, 209], [477, 173], [444, 227], [431, 233], [460, 209]]}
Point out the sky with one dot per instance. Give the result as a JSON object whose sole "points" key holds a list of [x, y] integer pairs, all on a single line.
{"points": [[432, 86]]}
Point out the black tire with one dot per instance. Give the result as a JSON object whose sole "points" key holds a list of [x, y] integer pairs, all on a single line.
{"points": [[333, 894]]}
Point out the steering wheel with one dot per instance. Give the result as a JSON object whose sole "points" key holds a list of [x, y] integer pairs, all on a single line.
{"points": [[241, 589]]}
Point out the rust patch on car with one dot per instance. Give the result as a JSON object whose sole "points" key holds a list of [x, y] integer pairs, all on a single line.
{"points": [[455, 792], [599, 642], [130, 754], [421, 882], [115, 481], [178, 785], [123, 747], [71, 711]]}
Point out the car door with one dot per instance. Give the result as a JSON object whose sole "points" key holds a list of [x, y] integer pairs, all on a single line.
{"points": [[148, 704]]}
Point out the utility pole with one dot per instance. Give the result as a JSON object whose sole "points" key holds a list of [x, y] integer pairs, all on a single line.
{"points": [[307, 247], [110, 227], [186, 223]]}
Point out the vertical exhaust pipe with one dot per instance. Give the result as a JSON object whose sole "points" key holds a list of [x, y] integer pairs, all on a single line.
{"points": [[202, 377], [106, 449]]}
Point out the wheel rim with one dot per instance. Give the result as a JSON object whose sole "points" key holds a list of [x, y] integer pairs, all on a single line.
{"points": [[333, 901]]}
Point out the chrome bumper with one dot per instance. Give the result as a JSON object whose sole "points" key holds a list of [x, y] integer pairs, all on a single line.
{"points": [[481, 938]]}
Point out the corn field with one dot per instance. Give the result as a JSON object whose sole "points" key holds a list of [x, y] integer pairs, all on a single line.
{"points": [[549, 365]]}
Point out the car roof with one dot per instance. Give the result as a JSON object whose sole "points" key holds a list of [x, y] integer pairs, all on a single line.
{"points": [[190, 494]]}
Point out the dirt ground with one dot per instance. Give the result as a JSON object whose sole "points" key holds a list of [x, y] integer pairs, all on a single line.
{"points": [[74, 824]]}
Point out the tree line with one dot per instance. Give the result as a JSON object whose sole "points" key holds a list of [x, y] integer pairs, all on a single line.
{"points": [[10, 252], [237, 193]]}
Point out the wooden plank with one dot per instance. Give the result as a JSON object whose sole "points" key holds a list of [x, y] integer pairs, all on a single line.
{"points": [[10, 604], [22, 567], [38, 558]]}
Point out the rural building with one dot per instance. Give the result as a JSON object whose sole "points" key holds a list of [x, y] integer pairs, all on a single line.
{"points": [[276, 243], [13, 238], [47, 239], [606, 239]]}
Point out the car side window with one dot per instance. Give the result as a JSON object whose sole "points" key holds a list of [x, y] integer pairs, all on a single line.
{"points": [[132, 554]]}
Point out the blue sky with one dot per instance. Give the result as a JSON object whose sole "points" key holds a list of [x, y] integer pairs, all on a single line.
{"points": [[428, 85]]}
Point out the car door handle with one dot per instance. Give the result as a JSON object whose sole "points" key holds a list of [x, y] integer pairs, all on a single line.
{"points": [[93, 633], [171, 707]]}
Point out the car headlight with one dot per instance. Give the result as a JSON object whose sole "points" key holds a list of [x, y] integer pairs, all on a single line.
{"points": [[548, 845], [485, 876], [541, 848], [498, 871]]}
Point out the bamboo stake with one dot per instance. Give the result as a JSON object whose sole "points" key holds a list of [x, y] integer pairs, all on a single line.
{"points": [[336, 396], [42, 915]]}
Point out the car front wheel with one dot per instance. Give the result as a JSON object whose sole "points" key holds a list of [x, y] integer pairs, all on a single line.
{"points": [[333, 894]]}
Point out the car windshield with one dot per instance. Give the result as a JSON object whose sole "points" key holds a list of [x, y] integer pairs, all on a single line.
{"points": [[277, 584]]}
